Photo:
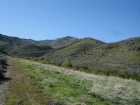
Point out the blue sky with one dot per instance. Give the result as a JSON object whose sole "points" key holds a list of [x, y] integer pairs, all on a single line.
{"points": [[105, 20]]}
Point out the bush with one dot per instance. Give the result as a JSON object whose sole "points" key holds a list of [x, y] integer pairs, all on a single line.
{"points": [[76, 68], [66, 63], [83, 67], [58, 64]]}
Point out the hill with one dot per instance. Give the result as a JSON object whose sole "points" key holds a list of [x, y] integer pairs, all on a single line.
{"points": [[87, 52], [8, 43], [26, 47], [73, 51], [59, 42], [30, 50], [122, 56]]}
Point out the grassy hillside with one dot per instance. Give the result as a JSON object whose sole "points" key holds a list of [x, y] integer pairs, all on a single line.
{"points": [[94, 54], [69, 87], [17, 46], [30, 50], [21, 47], [8, 43], [123, 55], [5, 47], [72, 51], [60, 42]]}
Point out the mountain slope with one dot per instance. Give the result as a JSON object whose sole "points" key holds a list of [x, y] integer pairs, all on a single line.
{"points": [[59, 42], [8, 43], [73, 51], [123, 55], [15, 45], [30, 50]]}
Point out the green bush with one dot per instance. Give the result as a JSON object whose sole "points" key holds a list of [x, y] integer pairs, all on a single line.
{"points": [[83, 67], [66, 63]]}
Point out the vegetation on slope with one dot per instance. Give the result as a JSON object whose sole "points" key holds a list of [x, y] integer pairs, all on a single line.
{"points": [[70, 87], [30, 50], [87, 52], [72, 51], [60, 42], [111, 73], [17, 47], [121, 56], [8, 43]]}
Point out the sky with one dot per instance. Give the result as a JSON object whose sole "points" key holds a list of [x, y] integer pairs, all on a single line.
{"points": [[105, 20]]}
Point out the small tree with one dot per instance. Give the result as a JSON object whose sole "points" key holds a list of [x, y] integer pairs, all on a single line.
{"points": [[66, 63]]}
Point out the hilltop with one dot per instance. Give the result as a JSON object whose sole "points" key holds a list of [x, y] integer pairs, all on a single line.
{"points": [[59, 42]]}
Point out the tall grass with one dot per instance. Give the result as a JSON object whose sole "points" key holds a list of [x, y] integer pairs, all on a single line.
{"points": [[115, 73], [74, 87]]}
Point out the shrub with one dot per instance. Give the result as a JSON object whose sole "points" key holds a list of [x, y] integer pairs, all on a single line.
{"points": [[58, 64], [84, 68], [66, 63], [76, 67]]}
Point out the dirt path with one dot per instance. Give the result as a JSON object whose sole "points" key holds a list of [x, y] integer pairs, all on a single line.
{"points": [[20, 88], [3, 87]]}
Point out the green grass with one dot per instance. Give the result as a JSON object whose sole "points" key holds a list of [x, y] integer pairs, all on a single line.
{"points": [[65, 88], [20, 89], [130, 74], [11, 101], [74, 88]]}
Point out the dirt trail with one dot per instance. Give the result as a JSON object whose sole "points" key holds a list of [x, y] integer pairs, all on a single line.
{"points": [[19, 89], [3, 87], [2, 92]]}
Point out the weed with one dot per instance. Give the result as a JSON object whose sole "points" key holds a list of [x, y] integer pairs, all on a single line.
{"points": [[11, 101]]}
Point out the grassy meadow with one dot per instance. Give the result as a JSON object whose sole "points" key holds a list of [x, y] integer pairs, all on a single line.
{"points": [[69, 87]]}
